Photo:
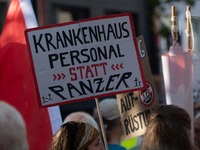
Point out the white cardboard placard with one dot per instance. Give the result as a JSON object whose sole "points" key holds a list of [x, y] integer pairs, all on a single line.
{"points": [[84, 59]]}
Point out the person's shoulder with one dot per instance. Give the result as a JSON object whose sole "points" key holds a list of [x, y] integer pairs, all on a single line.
{"points": [[137, 147], [115, 147]]}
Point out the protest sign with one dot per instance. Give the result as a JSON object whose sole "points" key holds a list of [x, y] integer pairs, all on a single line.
{"points": [[135, 106], [84, 59]]}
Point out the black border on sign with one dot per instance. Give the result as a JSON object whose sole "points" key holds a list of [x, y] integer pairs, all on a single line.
{"points": [[74, 22]]}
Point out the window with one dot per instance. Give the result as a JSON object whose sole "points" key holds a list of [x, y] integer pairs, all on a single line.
{"points": [[67, 14]]}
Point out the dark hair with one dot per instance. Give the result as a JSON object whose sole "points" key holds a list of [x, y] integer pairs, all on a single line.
{"points": [[167, 129]]}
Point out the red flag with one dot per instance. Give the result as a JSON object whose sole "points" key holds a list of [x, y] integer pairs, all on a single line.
{"points": [[16, 80]]}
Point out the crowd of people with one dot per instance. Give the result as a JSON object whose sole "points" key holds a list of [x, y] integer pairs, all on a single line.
{"points": [[168, 128]]}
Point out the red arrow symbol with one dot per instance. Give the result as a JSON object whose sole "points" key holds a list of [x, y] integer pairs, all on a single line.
{"points": [[63, 75], [121, 65], [113, 67], [59, 76], [54, 77], [117, 67]]}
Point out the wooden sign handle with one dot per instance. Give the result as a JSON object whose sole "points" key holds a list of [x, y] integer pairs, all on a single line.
{"points": [[175, 35], [188, 31], [101, 123]]}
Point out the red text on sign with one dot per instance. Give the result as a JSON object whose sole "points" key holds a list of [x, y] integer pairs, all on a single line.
{"points": [[88, 71]]}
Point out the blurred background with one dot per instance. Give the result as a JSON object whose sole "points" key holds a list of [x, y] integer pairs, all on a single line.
{"points": [[151, 18]]}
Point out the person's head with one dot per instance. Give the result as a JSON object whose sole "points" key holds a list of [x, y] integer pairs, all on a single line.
{"points": [[12, 129], [197, 130], [77, 135], [81, 116], [196, 108], [110, 115], [168, 129]]}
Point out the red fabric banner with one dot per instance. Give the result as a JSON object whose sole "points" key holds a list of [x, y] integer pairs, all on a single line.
{"points": [[16, 80]]}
